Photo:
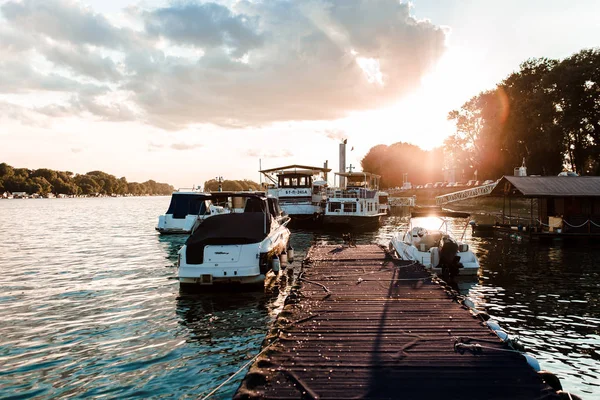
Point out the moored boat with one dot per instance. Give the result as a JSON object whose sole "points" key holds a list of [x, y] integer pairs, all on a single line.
{"points": [[435, 247], [185, 208], [357, 205], [235, 248], [300, 189]]}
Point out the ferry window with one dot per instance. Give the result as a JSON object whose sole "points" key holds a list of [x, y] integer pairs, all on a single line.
{"points": [[294, 181], [302, 181], [333, 207], [349, 207], [286, 181]]}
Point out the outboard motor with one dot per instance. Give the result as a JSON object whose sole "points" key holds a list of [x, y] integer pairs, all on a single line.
{"points": [[449, 259]]}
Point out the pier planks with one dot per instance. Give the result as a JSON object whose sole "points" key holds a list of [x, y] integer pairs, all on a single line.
{"points": [[362, 326]]}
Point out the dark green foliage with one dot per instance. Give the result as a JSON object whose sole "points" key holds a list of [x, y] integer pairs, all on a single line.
{"points": [[43, 181], [391, 162], [231, 185], [547, 113]]}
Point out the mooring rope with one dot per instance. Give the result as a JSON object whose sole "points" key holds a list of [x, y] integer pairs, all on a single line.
{"points": [[215, 390], [575, 226]]}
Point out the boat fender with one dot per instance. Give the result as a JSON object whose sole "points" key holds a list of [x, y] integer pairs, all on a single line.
{"points": [[290, 254], [275, 264], [468, 302], [567, 395], [493, 325], [551, 379], [502, 335], [533, 363], [283, 260]]}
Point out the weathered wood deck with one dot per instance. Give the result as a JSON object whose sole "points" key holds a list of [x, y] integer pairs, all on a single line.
{"points": [[361, 326]]}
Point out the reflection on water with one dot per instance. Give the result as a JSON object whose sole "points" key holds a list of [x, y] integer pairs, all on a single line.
{"points": [[89, 306], [549, 297]]}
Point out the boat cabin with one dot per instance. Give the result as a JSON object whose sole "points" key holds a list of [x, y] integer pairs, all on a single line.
{"points": [[564, 204], [300, 189], [188, 203]]}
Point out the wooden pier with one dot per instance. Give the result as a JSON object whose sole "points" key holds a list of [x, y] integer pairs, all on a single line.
{"points": [[360, 325]]}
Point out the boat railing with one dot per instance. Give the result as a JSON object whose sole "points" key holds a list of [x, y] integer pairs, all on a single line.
{"points": [[352, 194]]}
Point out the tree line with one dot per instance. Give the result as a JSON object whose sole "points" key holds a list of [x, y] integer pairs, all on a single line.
{"points": [[43, 181], [212, 185], [547, 113], [392, 162]]}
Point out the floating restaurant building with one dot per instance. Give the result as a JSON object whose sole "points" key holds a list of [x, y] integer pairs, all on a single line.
{"points": [[566, 205]]}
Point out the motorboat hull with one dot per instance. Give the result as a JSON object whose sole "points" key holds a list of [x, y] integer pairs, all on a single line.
{"points": [[353, 221], [406, 251], [235, 264], [169, 225]]}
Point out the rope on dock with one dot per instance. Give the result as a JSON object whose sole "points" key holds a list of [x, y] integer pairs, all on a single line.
{"points": [[313, 283]]}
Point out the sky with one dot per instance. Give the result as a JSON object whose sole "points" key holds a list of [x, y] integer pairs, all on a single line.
{"points": [[185, 91]]}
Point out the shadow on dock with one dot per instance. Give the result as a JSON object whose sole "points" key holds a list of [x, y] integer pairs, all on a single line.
{"points": [[362, 325]]}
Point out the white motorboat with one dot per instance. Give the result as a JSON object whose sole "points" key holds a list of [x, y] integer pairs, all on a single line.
{"points": [[428, 240], [357, 205], [300, 189], [238, 247], [185, 209]]}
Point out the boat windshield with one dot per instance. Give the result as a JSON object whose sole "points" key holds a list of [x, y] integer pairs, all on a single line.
{"points": [[452, 226], [183, 204], [429, 223]]}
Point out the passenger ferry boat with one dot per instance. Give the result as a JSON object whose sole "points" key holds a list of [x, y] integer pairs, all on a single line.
{"points": [[235, 248], [357, 205], [187, 207], [300, 189]]}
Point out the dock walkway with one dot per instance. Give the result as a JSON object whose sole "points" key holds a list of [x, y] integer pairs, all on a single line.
{"points": [[360, 325]]}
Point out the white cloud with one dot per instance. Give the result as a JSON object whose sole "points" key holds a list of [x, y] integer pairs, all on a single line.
{"points": [[233, 64]]}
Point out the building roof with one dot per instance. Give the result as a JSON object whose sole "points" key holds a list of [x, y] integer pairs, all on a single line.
{"points": [[291, 168], [548, 186], [360, 173]]}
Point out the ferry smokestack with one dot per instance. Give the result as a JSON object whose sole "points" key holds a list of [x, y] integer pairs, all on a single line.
{"points": [[343, 163]]}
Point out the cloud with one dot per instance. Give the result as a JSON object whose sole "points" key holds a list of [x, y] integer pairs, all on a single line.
{"points": [[18, 76], [174, 146], [256, 153], [76, 150], [185, 146], [336, 134], [63, 20], [237, 64], [204, 25], [81, 61]]}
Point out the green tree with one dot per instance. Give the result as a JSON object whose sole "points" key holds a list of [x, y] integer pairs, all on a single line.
{"points": [[392, 162]]}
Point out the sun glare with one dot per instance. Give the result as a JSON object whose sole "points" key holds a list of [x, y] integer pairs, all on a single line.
{"points": [[370, 67]]}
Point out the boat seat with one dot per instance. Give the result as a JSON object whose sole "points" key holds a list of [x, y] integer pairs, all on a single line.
{"points": [[429, 241]]}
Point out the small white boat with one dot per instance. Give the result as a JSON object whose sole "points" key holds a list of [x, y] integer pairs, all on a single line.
{"points": [[238, 247], [357, 205], [185, 209], [435, 248]]}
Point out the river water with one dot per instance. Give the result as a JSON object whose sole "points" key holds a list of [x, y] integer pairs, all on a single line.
{"points": [[89, 306]]}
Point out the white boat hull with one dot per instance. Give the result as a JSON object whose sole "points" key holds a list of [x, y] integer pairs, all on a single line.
{"points": [[406, 251], [169, 225], [233, 264]]}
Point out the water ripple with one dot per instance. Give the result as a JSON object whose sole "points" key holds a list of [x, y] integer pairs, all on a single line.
{"points": [[89, 306]]}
